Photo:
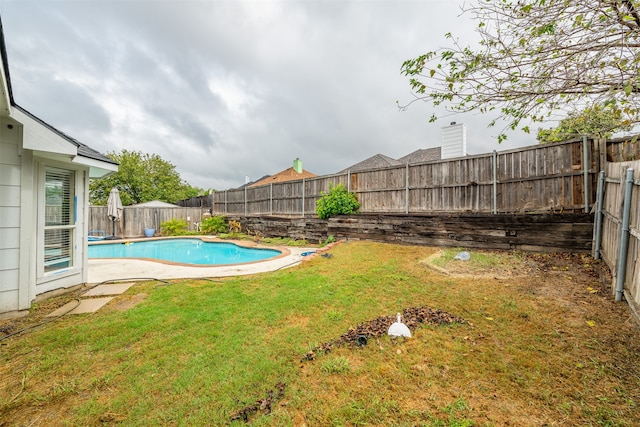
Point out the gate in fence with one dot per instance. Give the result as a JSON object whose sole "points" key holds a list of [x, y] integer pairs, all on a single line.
{"points": [[617, 228]]}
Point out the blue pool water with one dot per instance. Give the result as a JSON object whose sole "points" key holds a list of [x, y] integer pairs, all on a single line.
{"points": [[183, 251]]}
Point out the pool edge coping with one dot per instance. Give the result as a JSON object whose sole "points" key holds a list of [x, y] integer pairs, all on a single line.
{"points": [[284, 251]]}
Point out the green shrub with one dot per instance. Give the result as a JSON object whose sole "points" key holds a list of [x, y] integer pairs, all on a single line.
{"points": [[214, 225], [338, 201], [174, 227], [330, 239]]}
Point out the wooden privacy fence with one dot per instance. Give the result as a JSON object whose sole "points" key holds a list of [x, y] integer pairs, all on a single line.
{"points": [[136, 219], [617, 228], [540, 178]]}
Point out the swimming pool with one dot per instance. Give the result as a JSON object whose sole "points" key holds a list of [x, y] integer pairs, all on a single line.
{"points": [[183, 251]]}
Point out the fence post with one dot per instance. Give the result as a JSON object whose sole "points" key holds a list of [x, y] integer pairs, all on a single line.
{"points": [[495, 181], [624, 236], [349, 180], [302, 197], [585, 173], [225, 202], [271, 198], [406, 190], [597, 230], [245, 201]]}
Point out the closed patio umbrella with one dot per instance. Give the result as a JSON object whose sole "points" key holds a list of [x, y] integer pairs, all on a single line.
{"points": [[114, 208]]}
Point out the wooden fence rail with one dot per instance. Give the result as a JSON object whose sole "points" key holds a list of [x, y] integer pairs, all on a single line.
{"points": [[541, 178], [135, 219]]}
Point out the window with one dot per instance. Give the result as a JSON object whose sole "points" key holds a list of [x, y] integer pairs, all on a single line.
{"points": [[59, 219]]}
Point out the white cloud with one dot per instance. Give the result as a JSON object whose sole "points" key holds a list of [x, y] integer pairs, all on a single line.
{"points": [[228, 89]]}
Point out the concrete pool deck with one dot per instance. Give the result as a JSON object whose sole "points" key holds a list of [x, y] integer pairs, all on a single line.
{"points": [[103, 270]]}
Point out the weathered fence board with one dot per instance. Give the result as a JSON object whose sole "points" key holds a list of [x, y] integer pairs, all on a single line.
{"points": [[614, 192], [136, 219], [540, 178], [623, 149], [536, 178]]}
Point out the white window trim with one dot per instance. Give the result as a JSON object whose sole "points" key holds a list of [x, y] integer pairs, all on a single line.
{"points": [[76, 263]]}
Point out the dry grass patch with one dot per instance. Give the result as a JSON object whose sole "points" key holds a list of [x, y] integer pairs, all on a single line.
{"points": [[482, 263], [535, 351], [547, 347]]}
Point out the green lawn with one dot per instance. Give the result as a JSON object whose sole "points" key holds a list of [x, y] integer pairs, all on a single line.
{"points": [[547, 347]]}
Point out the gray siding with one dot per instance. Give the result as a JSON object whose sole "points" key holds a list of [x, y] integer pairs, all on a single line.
{"points": [[10, 170]]}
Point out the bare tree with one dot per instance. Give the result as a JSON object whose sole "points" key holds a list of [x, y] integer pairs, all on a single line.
{"points": [[536, 57]]}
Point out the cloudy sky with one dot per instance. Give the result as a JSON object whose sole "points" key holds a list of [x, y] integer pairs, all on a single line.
{"points": [[231, 89]]}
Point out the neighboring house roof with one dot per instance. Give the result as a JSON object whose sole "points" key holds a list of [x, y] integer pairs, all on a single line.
{"points": [[250, 183], [373, 162], [422, 155], [155, 204], [382, 161], [283, 176]]}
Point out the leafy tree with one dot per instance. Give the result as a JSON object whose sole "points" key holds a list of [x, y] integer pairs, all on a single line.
{"points": [[338, 201], [141, 178], [536, 57], [598, 122]]}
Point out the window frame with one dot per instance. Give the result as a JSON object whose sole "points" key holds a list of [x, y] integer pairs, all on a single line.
{"points": [[57, 252]]}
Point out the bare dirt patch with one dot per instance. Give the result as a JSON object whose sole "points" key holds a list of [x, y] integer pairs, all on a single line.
{"points": [[38, 314], [126, 302], [503, 264]]}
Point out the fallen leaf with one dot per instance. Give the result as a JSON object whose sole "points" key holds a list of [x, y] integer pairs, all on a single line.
{"points": [[591, 323], [489, 318]]}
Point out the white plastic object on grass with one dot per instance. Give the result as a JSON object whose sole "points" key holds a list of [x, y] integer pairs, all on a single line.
{"points": [[399, 329], [463, 256]]}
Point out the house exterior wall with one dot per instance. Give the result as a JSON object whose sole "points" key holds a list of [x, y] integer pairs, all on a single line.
{"points": [[22, 219], [10, 211], [44, 186]]}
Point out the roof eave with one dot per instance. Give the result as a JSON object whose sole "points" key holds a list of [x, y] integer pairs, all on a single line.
{"points": [[6, 94], [74, 147], [97, 168]]}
